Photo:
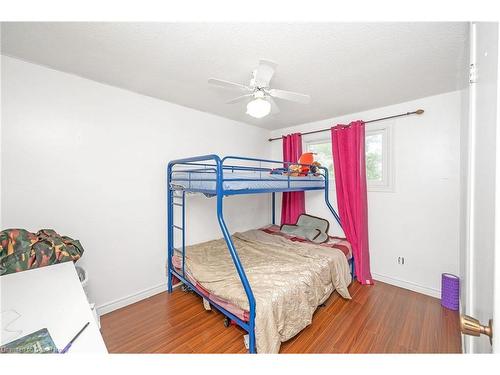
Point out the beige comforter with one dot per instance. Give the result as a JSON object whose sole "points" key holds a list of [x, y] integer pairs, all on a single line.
{"points": [[289, 280]]}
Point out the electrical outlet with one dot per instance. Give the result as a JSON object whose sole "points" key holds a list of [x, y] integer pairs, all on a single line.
{"points": [[401, 260]]}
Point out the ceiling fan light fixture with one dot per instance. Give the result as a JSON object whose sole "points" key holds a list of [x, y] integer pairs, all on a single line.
{"points": [[259, 91], [258, 108]]}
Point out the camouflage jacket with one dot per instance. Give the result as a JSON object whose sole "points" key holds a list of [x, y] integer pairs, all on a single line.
{"points": [[21, 250]]}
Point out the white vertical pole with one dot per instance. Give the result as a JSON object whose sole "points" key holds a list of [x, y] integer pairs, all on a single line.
{"points": [[496, 268], [469, 300]]}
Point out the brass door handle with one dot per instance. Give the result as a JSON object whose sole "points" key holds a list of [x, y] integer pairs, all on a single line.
{"points": [[471, 326]]}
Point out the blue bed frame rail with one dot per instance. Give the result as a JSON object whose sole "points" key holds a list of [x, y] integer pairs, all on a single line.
{"points": [[214, 165]]}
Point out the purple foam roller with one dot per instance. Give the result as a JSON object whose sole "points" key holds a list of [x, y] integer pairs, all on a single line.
{"points": [[450, 291]]}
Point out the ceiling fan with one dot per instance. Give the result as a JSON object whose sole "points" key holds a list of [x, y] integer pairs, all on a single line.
{"points": [[258, 93]]}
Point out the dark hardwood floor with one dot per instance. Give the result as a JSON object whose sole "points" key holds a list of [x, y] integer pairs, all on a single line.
{"points": [[379, 319]]}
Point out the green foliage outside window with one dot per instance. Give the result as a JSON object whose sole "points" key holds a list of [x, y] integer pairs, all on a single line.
{"points": [[373, 150]]}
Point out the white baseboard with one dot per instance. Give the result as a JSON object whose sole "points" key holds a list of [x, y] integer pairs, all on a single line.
{"points": [[136, 297], [132, 298], [407, 285]]}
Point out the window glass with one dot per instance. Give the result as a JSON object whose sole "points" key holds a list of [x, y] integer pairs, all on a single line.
{"points": [[374, 157], [376, 149], [323, 153]]}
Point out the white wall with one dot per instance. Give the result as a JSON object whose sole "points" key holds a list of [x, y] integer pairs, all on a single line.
{"points": [[420, 219], [88, 160]]}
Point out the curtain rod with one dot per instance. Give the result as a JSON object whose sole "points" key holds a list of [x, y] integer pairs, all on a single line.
{"points": [[417, 112]]}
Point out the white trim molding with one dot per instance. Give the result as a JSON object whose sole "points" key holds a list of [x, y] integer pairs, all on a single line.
{"points": [[436, 293], [106, 308], [387, 184]]}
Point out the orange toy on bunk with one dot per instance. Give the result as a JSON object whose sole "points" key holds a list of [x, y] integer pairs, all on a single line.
{"points": [[306, 158]]}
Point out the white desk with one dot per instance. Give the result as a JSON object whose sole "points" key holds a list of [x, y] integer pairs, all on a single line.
{"points": [[49, 297]]}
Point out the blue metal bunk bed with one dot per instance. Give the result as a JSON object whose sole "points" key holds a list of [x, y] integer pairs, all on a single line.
{"points": [[231, 175]]}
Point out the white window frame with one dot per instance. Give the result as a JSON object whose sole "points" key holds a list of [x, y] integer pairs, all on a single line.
{"points": [[320, 141], [387, 183], [317, 140]]}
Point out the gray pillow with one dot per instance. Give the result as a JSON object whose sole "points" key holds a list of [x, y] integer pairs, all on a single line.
{"points": [[312, 228]]}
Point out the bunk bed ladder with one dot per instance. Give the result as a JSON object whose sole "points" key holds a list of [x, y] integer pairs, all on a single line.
{"points": [[176, 200]]}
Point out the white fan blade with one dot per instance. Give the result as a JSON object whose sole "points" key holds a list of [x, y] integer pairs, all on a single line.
{"points": [[274, 107], [289, 95], [239, 98], [227, 84], [264, 73]]}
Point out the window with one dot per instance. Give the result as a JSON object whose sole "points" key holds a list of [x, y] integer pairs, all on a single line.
{"points": [[378, 162], [323, 151]]}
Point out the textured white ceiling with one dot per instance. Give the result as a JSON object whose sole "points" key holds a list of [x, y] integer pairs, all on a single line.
{"points": [[345, 67]]}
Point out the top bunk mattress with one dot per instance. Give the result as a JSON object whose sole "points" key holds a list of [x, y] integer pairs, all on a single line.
{"points": [[206, 181]]}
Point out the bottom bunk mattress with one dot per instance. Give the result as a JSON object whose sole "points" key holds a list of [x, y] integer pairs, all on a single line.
{"points": [[289, 279]]}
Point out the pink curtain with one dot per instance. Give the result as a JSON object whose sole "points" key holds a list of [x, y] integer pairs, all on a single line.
{"points": [[348, 146], [292, 204]]}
